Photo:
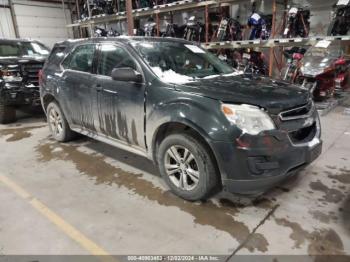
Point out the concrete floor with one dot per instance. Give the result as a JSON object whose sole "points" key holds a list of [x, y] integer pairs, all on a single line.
{"points": [[86, 197]]}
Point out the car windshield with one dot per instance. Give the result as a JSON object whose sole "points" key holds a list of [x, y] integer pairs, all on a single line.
{"points": [[34, 48], [22, 49], [176, 62], [332, 51]]}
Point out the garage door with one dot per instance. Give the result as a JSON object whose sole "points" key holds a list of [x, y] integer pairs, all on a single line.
{"points": [[41, 21]]}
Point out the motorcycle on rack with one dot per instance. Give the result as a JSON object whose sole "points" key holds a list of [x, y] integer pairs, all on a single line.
{"points": [[121, 5], [340, 23], [292, 69], [229, 30], [298, 23], [232, 57], [194, 30], [97, 7], [101, 32], [258, 27], [173, 30], [324, 69], [253, 62], [150, 27]]}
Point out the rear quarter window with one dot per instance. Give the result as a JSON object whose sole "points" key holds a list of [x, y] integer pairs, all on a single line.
{"points": [[57, 54]]}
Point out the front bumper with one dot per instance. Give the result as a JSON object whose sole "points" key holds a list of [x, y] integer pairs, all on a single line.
{"points": [[255, 164], [18, 95]]}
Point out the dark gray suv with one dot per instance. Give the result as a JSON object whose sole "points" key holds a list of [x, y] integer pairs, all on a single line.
{"points": [[206, 126]]}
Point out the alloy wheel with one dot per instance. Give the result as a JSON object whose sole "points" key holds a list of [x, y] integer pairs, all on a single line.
{"points": [[181, 167], [55, 122]]}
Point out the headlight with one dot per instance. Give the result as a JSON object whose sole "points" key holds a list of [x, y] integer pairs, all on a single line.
{"points": [[250, 119], [10, 74]]}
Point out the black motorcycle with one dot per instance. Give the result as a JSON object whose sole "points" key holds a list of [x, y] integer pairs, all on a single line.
{"points": [[150, 27], [253, 62], [229, 30], [194, 30], [97, 7], [298, 23], [340, 23], [173, 30], [101, 32]]}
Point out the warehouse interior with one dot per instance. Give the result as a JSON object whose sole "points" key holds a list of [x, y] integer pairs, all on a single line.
{"points": [[192, 130]]}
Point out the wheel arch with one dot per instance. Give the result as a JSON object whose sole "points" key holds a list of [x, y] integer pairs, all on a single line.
{"points": [[187, 127], [47, 99]]}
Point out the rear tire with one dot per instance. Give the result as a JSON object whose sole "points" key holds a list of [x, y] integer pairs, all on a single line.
{"points": [[7, 114], [58, 124], [187, 166]]}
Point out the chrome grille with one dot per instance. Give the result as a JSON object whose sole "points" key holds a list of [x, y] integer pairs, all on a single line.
{"points": [[31, 72], [304, 111]]}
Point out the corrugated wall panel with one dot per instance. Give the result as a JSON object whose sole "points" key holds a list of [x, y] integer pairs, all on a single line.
{"points": [[6, 26], [42, 21]]}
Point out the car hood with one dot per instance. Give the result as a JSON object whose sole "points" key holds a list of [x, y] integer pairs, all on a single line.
{"points": [[22, 60], [275, 96]]}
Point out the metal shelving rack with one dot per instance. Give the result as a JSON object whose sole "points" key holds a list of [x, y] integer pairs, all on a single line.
{"points": [[130, 14], [270, 43]]}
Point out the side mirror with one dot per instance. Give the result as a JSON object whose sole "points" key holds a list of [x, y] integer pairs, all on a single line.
{"points": [[126, 74]]}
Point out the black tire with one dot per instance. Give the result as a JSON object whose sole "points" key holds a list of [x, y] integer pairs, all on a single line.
{"points": [[208, 175], [65, 134], [7, 114]]}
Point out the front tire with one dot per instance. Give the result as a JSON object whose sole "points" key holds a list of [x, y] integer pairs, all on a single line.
{"points": [[58, 124], [7, 113], [187, 167]]}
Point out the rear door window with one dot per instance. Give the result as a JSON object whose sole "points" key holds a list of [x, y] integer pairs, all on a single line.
{"points": [[81, 59]]}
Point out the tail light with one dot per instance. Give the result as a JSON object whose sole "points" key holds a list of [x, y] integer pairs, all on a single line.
{"points": [[340, 61], [40, 77]]}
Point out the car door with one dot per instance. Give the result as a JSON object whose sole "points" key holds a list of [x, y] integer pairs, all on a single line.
{"points": [[79, 97], [120, 103]]}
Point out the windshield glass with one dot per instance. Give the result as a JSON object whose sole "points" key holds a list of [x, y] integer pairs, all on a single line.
{"points": [[34, 48], [332, 51], [22, 49], [176, 62], [9, 49]]}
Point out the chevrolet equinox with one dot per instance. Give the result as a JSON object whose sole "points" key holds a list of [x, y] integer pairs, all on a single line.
{"points": [[206, 126]]}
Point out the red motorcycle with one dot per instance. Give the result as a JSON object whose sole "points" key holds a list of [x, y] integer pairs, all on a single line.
{"points": [[293, 62], [324, 69]]}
